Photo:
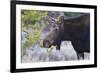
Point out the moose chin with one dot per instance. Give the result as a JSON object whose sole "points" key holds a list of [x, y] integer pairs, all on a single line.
{"points": [[75, 29]]}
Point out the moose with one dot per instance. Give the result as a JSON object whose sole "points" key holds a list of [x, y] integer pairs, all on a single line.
{"points": [[75, 29]]}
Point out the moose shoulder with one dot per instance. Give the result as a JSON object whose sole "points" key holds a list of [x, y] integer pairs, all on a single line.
{"points": [[74, 29]]}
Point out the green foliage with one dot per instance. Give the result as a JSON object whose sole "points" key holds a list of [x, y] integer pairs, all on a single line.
{"points": [[30, 18], [31, 39]]}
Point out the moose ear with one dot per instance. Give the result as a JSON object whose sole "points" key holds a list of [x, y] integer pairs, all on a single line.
{"points": [[61, 19]]}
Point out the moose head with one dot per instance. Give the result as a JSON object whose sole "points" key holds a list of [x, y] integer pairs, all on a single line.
{"points": [[52, 36]]}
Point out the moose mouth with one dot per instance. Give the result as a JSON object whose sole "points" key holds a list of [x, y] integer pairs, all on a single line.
{"points": [[51, 38], [48, 43]]}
